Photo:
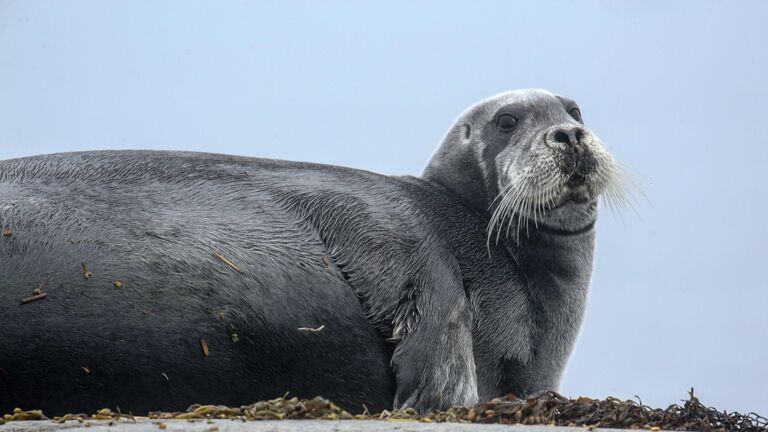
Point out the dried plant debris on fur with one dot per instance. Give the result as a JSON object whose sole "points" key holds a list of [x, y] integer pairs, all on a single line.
{"points": [[548, 408]]}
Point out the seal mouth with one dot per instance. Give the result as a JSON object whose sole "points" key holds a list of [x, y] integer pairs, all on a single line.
{"points": [[575, 191], [578, 195], [579, 192]]}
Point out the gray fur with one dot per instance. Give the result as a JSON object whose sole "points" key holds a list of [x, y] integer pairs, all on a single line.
{"points": [[424, 300]]}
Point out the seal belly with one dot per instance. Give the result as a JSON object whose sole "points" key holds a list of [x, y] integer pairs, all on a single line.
{"points": [[215, 282]]}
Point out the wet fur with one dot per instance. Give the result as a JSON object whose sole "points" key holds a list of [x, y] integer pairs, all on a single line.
{"points": [[418, 307]]}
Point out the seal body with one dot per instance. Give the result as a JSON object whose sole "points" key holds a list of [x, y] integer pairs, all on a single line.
{"points": [[176, 278]]}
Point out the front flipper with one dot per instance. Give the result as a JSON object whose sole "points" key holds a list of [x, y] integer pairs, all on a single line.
{"points": [[434, 361]]}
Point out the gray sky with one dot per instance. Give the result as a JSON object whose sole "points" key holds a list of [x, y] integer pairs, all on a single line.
{"points": [[677, 90]]}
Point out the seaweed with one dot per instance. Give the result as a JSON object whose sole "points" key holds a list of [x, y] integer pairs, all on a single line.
{"points": [[546, 408]]}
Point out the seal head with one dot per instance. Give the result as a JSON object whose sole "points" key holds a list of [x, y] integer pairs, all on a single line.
{"points": [[526, 157]]}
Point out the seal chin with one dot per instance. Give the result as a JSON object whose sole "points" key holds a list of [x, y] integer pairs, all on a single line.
{"points": [[574, 212], [579, 195]]}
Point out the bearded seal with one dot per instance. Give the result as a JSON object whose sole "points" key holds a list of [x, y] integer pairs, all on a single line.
{"points": [[172, 278]]}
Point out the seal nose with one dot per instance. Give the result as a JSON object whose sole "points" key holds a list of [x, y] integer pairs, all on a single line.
{"points": [[570, 137]]}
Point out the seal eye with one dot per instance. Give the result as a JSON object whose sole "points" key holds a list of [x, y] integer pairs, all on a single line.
{"points": [[575, 113], [506, 122]]}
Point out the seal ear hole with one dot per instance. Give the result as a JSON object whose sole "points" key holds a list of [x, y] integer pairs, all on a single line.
{"points": [[467, 131]]}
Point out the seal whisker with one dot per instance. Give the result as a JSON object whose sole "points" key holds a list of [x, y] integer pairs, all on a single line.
{"points": [[522, 210], [496, 209], [509, 206], [536, 202], [508, 202], [522, 221], [620, 189], [522, 202], [631, 181]]}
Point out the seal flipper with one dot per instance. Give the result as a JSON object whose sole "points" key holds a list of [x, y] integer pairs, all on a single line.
{"points": [[408, 284], [434, 361]]}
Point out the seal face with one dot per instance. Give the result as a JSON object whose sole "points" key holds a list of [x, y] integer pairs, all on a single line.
{"points": [[167, 278], [524, 155]]}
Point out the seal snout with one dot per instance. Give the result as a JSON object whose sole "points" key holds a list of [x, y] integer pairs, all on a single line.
{"points": [[578, 161], [570, 137]]}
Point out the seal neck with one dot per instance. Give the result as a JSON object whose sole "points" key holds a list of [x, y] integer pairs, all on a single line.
{"points": [[460, 177], [556, 268], [470, 194]]}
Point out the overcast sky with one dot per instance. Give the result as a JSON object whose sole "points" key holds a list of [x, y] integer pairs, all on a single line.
{"points": [[677, 90]]}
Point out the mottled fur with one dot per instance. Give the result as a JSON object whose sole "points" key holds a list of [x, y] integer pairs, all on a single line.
{"points": [[417, 306]]}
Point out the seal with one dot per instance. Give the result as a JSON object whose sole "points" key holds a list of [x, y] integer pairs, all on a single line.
{"points": [[153, 280]]}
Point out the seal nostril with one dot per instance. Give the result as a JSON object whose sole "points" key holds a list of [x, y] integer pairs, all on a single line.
{"points": [[569, 137], [562, 137], [579, 135]]}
